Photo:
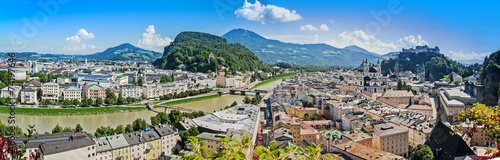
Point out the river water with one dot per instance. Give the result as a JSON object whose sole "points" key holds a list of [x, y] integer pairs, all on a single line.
{"points": [[91, 122]]}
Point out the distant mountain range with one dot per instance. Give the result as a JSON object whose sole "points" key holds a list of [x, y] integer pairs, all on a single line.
{"points": [[273, 51], [123, 51]]}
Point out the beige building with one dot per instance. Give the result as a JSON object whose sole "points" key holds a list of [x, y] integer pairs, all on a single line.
{"points": [[453, 101], [391, 138], [159, 89], [399, 96], [50, 91], [28, 95], [94, 92], [71, 93], [479, 138]]}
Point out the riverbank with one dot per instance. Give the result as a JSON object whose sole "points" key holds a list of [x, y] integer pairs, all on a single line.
{"points": [[271, 80], [70, 111], [176, 102]]}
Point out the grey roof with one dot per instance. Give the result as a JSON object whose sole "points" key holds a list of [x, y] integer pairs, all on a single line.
{"points": [[28, 90], [76, 140], [163, 130], [385, 129], [150, 135], [102, 144], [117, 141], [242, 116], [134, 138], [34, 82]]}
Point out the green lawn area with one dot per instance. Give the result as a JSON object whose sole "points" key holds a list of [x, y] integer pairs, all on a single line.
{"points": [[270, 80], [190, 100], [69, 111]]}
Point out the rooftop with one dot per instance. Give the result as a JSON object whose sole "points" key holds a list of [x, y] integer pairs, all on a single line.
{"points": [[387, 129], [397, 93], [242, 116], [366, 152]]}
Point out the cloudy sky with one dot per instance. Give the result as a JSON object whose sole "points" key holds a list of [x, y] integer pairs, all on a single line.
{"points": [[464, 31]]}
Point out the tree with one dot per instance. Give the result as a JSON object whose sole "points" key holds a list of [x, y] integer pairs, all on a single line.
{"points": [[139, 124], [99, 101], [166, 78], [199, 152], [130, 99], [306, 117], [422, 152], [139, 83], [247, 100], [129, 128], [78, 128], [120, 129], [76, 102], [234, 104], [90, 102], [341, 78], [57, 129], [121, 100], [155, 120], [110, 101], [400, 85], [67, 102], [486, 116], [110, 94], [133, 81]]}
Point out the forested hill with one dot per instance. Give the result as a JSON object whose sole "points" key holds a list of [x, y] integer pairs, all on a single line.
{"points": [[436, 66], [192, 51]]}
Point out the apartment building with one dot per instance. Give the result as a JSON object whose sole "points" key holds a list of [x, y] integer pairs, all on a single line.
{"points": [[399, 96], [130, 90], [390, 138], [159, 89], [28, 95], [95, 91], [71, 93], [50, 91], [11, 92]]}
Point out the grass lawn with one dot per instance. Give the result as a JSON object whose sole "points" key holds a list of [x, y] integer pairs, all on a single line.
{"points": [[190, 100], [69, 111], [270, 80]]}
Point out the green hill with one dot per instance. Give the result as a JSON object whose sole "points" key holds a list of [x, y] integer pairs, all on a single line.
{"points": [[274, 51], [192, 50], [125, 51]]}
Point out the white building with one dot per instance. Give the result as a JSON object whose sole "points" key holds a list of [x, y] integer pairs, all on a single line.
{"points": [[28, 95], [130, 90], [11, 92], [50, 91], [159, 89], [71, 93]]}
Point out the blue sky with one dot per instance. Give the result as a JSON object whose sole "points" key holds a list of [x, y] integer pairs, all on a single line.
{"points": [[465, 31]]}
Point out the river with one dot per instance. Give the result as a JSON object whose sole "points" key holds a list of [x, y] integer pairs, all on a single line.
{"points": [[91, 122]]}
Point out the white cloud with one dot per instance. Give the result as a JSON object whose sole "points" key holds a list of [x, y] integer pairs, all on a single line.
{"points": [[412, 41], [331, 21], [271, 13], [316, 37], [372, 44], [85, 35], [152, 41], [368, 42], [324, 27], [308, 28], [76, 43], [469, 57]]}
